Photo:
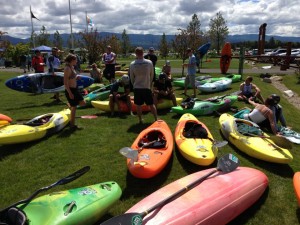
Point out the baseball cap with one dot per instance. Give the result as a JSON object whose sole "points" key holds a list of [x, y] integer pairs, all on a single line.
{"points": [[151, 49], [162, 76], [54, 49]]}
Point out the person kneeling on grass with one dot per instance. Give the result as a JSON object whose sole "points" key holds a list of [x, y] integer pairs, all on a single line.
{"points": [[116, 97], [163, 89], [71, 91]]}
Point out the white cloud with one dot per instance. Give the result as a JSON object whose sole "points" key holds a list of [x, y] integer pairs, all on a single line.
{"points": [[149, 17]]}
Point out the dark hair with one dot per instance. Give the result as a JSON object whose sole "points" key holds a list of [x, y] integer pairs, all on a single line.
{"points": [[162, 76], [69, 58], [276, 98], [269, 101]]}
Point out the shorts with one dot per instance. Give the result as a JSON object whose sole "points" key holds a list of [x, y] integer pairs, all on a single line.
{"points": [[109, 71], [248, 95], [77, 97], [142, 96], [190, 79]]}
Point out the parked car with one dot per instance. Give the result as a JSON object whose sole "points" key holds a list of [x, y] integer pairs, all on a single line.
{"points": [[276, 52]]}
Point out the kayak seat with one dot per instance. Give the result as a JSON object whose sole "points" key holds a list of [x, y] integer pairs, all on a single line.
{"points": [[16, 217], [156, 137], [194, 130]]}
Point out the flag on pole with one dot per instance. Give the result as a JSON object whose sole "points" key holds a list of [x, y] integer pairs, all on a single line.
{"points": [[33, 16], [89, 21]]}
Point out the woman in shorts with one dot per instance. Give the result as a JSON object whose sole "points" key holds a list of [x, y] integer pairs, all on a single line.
{"points": [[71, 91]]}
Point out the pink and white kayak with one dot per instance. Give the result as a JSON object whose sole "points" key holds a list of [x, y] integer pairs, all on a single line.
{"points": [[217, 200]]}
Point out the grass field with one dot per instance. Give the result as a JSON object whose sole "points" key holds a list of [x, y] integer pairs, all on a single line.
{"points": [[26, 167]]}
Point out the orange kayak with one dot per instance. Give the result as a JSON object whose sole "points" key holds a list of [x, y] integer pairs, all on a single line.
{"points": [[4, 120], [296, 182], [197, 150], [155, 147]]}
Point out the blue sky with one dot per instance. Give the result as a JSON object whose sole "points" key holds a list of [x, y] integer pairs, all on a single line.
{"points": [[149, 17]]}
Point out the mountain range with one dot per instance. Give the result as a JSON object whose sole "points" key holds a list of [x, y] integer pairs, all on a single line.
{"points": [[148, 40]]}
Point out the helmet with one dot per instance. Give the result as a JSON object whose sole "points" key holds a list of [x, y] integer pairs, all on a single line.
{"points": [[125, 79], [162, 76], [276, 98]]}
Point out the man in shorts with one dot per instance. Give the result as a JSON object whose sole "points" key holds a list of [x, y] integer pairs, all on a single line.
{"points": [[249, 90], [191, 72], [163, 89], [141, 76]]}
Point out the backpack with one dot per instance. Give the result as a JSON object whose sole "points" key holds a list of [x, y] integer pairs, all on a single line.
{"points": [[188, 103], [194, 130]]}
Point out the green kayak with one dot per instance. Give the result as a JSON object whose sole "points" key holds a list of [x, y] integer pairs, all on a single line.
{"points": [[208, 106], [234, 77], [99, 94], [80, 206], [179, 82]]}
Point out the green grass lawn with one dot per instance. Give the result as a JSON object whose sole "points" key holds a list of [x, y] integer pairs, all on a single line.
{"points": [[26, 167]]}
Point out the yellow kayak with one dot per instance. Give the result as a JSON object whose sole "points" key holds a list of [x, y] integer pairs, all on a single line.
{"points": [[200, 151], [37, 128], [162, 104], [257, 146]]}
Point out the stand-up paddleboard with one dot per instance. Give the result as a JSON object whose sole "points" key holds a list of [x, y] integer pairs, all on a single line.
{"points": [[225, 58], [44, 82], [203, 49]]}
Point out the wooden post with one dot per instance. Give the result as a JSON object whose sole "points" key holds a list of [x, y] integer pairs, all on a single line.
{"points": [[241, 61]]}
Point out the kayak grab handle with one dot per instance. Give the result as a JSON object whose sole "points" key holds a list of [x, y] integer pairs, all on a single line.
{"points": [[70, 207]]}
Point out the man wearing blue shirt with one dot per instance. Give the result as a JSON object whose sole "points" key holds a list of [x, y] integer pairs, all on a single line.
{"points": [[191, 72]]}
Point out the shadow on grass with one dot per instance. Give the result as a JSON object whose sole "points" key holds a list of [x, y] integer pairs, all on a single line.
{"points": [[143, 187], [190, 167], [137, 128], [6, 150], [251, 211], [298, 214]]}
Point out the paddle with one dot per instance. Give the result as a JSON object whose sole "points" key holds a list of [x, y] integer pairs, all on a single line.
{"points": [[62, 181], [279, 141], [226, 164]]}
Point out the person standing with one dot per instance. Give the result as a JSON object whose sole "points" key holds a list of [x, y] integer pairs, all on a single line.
{"points": [[53, 64], [77, 66], [141, 76], [191, 72], [151, 56], [23, 59], [71, 91], [109, 59], [38, 62]]}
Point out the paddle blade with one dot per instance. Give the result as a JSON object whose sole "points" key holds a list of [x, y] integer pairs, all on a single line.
{"points": [[125, 219], [72, 176], [129, 153], [88, 117], [228, 163]]}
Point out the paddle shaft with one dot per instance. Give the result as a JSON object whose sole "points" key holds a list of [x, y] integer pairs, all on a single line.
{"points": [[178, 193], [278, 141]]}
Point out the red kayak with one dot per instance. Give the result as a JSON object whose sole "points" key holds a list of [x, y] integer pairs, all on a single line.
{"points": [[215, 201]]}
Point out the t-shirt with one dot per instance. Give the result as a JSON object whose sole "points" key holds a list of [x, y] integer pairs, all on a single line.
{"points": [[152, 58], [162, 86], [192, 65], [115, 87]]}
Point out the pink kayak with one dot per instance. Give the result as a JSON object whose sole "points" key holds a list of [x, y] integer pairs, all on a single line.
{"points": [[217, 200]]}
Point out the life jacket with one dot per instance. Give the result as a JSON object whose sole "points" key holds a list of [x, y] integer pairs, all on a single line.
{"points": [[188, 103]]}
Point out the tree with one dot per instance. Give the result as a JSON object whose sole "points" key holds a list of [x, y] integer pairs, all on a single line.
{"points": [[181, 44], [163, 46], [57, 40], [43, 37], [92, 42], [194, 32], [125, 43], [218, 30]]}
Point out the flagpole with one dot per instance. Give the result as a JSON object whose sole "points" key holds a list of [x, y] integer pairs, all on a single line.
{"points": [[32, 34], [72, 40]]}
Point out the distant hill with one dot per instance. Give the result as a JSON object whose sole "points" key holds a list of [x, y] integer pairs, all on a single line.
{"points": [[148, 40]]}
